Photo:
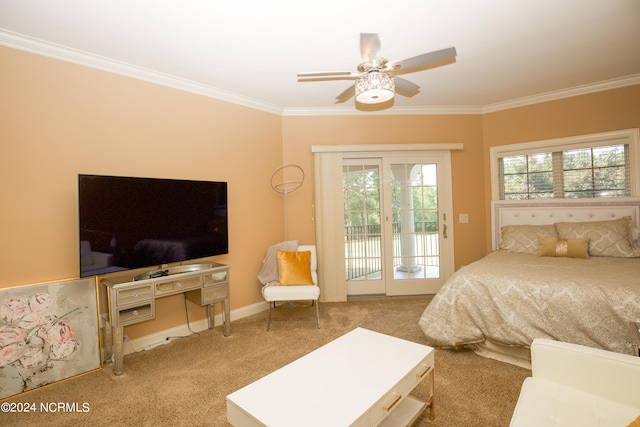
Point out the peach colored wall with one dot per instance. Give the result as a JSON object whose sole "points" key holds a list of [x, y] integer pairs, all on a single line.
{"points": [[300, 133], [593, 113], [60, 119]]}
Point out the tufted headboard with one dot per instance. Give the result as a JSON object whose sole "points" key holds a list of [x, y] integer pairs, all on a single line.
{"points": [[540, 212]]}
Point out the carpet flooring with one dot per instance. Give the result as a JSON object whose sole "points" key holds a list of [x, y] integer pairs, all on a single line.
{"points": [[185, 382]]}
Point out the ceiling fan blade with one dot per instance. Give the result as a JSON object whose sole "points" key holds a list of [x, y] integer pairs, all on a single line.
{"points": [[348, 93], [423, 60], [369, 46], [334, 74], [405, 87]]}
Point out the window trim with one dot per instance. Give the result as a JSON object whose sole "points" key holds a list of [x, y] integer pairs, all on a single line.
{"points": [[627, 136]]}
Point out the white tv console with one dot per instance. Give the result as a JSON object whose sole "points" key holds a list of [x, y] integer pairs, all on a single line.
{"points": [[133, 301]]}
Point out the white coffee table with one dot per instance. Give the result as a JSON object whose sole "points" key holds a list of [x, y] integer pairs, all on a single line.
{"points": [[362, 378]]}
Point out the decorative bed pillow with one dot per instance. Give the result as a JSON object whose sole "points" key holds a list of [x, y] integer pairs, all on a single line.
{"points": [[294, 268], [607, 238], [569, 248], [524, 238], [635, 237]]}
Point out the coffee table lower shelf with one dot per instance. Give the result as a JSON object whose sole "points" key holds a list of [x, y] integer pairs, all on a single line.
{"points": [[406, 413]]}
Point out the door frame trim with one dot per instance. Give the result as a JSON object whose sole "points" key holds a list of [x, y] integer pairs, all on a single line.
{"points": [[329, 224], [369, 148]]}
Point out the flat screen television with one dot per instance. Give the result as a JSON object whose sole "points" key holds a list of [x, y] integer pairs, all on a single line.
{"points": [[128, 222]]}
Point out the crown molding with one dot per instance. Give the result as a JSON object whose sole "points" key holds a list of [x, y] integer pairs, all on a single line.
{"points": [[379, 148], [507, 105], [394, 111], [564, 93], [62, 53]]}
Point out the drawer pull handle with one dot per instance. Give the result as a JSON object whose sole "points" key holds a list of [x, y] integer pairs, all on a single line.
{"points": [[392, 404], [135, 312], [178, 284], [423, 373]]}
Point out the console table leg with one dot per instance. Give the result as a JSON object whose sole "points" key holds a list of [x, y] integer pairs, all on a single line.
{"points": [[108, 342], [226, 317], [211, 316], [118, 349]]}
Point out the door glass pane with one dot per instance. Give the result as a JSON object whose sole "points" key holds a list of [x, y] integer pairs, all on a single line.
{"points": [[416, 246], [362, 219]]}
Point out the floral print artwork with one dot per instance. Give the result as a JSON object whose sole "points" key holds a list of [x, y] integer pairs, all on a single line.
{"points": [[47, 333]]}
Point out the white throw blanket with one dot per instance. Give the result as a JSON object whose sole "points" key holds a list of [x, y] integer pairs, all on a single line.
{"points": [[269, 271]]}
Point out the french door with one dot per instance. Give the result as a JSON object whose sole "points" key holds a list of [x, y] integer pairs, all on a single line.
{"points": [[396, 224]]}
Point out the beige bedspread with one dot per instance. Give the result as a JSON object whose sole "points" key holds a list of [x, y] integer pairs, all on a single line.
{"points": [[511, 298]]}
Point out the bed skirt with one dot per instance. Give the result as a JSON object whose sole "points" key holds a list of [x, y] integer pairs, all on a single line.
{"points": [[519, 356]]}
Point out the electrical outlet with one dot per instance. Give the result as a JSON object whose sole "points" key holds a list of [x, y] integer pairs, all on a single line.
{"points": [[463, 218]]}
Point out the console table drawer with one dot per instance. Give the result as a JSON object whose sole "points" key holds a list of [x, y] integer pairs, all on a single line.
{"points": [[133, 295], [180, 285], [135, 314], [219, 276], [215, 293], [209, 295]]}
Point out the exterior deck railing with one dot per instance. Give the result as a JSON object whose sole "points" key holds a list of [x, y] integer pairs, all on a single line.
{"points": [[363, 248]]}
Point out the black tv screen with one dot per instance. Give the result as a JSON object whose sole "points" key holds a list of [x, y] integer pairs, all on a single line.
{"points": [[128, 222]]}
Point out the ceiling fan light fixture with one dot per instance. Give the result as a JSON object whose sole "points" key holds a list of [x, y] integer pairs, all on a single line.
{"points": [[375, 87]]}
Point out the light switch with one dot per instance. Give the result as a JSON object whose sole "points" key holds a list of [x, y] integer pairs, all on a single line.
{"points": [[464, 218]]}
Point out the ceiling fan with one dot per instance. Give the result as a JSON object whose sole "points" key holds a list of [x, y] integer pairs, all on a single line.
{"points": [[376, 79]]}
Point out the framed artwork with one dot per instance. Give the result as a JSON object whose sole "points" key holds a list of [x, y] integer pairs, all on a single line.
{"points": [[48, 332]]}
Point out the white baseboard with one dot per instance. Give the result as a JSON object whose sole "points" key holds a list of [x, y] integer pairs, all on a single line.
{"points": [[156, 339]]}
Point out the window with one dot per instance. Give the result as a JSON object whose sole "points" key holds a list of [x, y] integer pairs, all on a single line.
{"points": [[578, 173], [599, 165]]}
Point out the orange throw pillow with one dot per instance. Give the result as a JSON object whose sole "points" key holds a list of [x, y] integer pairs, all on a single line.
{"points": [[294, 268]]}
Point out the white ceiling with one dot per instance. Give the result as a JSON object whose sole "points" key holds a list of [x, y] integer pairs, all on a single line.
{"points": [[510, 52]]}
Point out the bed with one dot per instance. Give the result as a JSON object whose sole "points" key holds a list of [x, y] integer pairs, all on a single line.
{"points": [[567, 270]]}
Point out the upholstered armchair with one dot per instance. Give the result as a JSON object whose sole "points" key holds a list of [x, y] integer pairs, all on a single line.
{"points": [[297, 280], [574, 385]]}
